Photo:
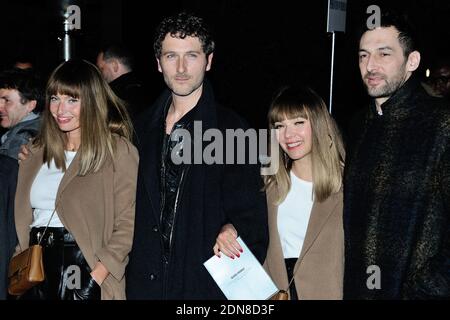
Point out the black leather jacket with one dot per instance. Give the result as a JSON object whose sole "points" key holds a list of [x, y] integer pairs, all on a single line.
{"points": [[172, 181]]}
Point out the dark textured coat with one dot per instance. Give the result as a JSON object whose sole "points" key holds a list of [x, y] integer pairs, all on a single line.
{"points": [[130, 89], [213, 195], [397, 200], [8, 239]]}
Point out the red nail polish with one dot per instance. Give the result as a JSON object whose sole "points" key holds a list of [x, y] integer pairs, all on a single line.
{"points": [[241, 250]]}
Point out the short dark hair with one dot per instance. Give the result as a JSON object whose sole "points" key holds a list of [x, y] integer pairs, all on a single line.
{"points": [[119, 52], [182, 25], [407, 34], [28, 84]]}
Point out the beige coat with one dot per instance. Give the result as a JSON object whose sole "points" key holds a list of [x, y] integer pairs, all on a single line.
{"points": [[97, 209], [320, 267]]}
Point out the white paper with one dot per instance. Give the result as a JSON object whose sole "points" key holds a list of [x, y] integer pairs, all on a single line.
{"points": [[241, 278]]}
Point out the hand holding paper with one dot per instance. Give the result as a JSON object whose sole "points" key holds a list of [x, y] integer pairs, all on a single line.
{"points": [[243, 278]]}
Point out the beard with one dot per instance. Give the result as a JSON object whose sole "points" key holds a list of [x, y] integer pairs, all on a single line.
{"points": [[183, 90], [391, 85]]}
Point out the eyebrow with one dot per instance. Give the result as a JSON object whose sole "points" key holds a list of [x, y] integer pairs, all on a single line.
{"points": [[385, 48], [378, 49], [190, 51]]}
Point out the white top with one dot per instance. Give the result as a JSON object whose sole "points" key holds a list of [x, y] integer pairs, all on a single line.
{"points": [[293, 216], [43, 193]]}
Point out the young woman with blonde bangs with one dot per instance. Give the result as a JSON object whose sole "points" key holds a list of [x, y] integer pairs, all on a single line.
{"points": [[304, 200]]}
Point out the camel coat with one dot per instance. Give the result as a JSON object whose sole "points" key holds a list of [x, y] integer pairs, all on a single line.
{"points": [[97, 209], [320, 267]]}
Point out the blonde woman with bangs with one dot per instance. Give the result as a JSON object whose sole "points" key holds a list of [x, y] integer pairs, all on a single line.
{"points": [[76, 189], [304, 200]]}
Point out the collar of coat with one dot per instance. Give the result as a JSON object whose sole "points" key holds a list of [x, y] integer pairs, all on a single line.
{"points": [[401, 103], [206, 111]]}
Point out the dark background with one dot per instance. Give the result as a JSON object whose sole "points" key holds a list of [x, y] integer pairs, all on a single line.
{"points": [[260, 45]]}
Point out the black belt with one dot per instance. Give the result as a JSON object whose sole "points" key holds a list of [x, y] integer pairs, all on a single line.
{"points": [[52, 236]]}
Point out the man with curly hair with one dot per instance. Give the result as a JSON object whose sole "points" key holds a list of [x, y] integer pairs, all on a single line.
{"points": [[181, 208]]}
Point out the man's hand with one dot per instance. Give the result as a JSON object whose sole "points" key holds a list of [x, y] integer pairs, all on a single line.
{"points": [[24, 152], [226, 242]]}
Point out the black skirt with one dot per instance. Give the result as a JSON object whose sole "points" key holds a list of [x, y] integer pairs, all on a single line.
{"points": [[290, 264], [67, 274]]}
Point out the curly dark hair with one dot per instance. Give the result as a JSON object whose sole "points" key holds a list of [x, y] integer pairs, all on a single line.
{"points": [[182, 25], [29, 85]]}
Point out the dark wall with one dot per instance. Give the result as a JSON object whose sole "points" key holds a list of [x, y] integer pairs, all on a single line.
{"points": [[260, 46]]}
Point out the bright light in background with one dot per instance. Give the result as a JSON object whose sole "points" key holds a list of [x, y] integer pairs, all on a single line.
{"points": [[427, 73]]}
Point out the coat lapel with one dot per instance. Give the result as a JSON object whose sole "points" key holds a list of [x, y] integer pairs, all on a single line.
{"points": [[319, 215], [71, 172], [150, 153], [149, 143], [276, 259]]}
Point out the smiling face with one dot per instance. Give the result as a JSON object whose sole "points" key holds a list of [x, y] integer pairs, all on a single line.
{"points": [[66, 112], [295, 137], [183, 64], [382, 63], [12, 107]]}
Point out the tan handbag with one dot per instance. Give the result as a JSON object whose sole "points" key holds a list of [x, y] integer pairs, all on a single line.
{"points": [[280, 295], [27, 268], [283, 294]]}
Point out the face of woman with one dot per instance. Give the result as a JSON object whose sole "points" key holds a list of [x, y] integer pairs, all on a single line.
{"points": [[66, 112], [295, 137]]}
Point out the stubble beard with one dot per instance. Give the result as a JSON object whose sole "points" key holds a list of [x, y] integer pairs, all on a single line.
{"points": [[390, 87]]}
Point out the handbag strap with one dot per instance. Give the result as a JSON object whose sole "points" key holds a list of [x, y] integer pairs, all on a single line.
{"points": [[46, 227], [293, 275]]}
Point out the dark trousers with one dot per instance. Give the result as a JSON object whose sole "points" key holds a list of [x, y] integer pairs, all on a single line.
{"points": [[290, 264], [67, 274]]}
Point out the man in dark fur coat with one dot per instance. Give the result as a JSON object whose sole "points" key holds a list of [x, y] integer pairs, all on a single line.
{"points": [[397, 181]]}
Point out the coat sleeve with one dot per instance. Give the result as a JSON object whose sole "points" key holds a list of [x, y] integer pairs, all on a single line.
{"points": [[433, 280], [244, 201], [246, 208], [115, 254]]}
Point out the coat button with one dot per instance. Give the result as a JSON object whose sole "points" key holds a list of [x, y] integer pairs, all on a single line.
{"points": [[155, 229], [152, 277]]}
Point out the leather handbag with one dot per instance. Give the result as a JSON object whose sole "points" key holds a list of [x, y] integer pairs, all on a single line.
{"points": [[280, 295], [27, 268], [283, 294]]}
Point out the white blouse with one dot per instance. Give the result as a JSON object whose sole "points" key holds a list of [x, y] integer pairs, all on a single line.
{"points": [[293, 216], [43, 193]]}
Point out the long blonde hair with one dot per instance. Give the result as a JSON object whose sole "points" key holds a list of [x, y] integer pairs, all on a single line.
{"points": [[327, 153], [102, 114]]}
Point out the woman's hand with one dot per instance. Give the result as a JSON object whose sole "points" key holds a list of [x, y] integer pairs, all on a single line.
{"points": [[99, 273], [24, 152], [226, 242]]}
